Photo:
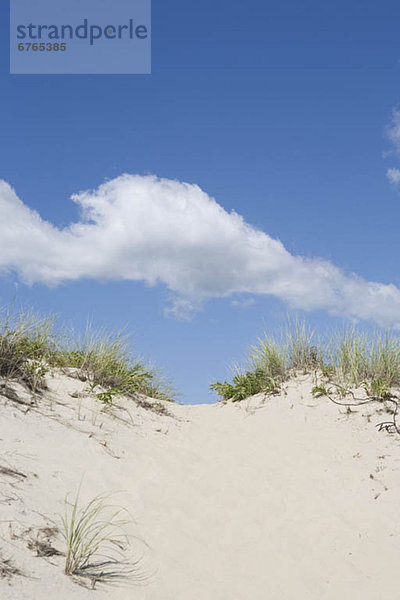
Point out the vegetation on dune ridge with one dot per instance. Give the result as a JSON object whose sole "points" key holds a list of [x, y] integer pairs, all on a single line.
{"points": [[350, 359], [30, 347]]}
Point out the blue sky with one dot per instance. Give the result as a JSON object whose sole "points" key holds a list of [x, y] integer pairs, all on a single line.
{"points": [[276, 110]]}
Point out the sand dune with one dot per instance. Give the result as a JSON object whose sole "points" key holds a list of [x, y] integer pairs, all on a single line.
{"points": [[284, 498]]}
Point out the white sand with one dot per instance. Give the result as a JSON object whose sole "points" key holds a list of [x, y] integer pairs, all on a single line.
{"points": [[287, 499]]}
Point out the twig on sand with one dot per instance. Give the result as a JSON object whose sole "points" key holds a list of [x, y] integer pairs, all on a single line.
{"points": [[389, 426]]}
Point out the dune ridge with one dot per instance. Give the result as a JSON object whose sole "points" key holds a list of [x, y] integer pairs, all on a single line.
{"points": [[281, 497]]}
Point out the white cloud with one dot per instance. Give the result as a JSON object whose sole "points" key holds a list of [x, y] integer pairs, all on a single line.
{"points": [[245, 303], [162, 231], [393, 175], [393, 134], [393, 129], [183, 309]]}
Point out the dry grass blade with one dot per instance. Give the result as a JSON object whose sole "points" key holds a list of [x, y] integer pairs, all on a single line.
{"points": [[8, 569]]}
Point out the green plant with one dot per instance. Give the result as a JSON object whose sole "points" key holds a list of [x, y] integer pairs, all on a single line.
{"points": [[68, 358], [245, 385], [270, 356], [319, 390], [108, 396], [33, 375], [25, 343], [348, 360], [96, 539], [302, 353], [328, 371], [378, 388], [29, 348], [104, 359]]}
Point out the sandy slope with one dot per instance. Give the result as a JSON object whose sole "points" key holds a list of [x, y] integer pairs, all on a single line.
{"points": [[290, 498]]}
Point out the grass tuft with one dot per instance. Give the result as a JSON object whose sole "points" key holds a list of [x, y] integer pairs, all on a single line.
{"points": [[97, 541], [26, 346], [30, 347], [351, 358]]}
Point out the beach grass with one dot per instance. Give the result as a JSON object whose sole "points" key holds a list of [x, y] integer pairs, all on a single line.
{"points": [[350, 357], [31, 345], [97, 540]]}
